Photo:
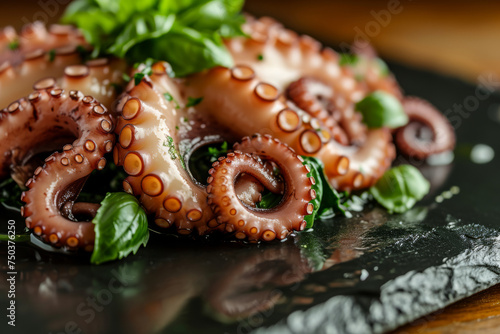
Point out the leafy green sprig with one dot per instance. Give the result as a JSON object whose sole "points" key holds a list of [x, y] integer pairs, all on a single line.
{"points": [[188, 34]]}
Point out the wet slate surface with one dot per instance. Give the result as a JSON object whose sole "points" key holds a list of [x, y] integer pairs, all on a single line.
{"points": [[368, 274]]}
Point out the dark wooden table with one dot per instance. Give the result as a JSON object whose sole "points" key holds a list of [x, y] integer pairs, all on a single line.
{"points": [[459, 38]]}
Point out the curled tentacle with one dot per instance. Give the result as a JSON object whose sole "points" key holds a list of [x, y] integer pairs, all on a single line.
{"points": [[368, 162], [52, 58], [428, 131], [248, 190], [260, 224], [250, 106], [51, 117], [319, 100], [35, 36]]}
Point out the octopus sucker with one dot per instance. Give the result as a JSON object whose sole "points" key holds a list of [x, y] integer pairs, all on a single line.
{"points": [[258, 224], [149, 129], [428, 131], [56, 53], [34, 37], [248, 110], [50, 206], [368, 162], [286, 97]]}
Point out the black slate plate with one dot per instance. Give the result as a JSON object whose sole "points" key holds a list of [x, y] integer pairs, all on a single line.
{"points": [[371, 273]]}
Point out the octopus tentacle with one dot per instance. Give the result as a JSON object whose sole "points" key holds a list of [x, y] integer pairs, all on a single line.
{"points": [[411, 139], [55, 56], [149, 129], [372, 73], [320, 100], [35, 36], [252, 223], [368, 162], [250, 106], [280, 56], [52, 114]]}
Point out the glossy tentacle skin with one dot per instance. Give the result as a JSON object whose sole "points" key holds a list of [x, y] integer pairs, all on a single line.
{"points": [[50, 115], [280, 57], [35, 37], [368, 162], [259, 224], [54, 55], [150, 128], [251, 106], [411, 140]]}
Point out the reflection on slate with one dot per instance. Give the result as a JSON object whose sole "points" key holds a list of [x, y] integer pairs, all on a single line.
{"points": [[371, 273]]}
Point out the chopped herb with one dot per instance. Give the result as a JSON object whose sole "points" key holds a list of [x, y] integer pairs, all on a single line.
{"points": [[381, 109], [52, 55], [193, 101], [138, 78], [146, 70], [260, 57], [185, 119], [348, 59], [168, 97], [215, 153], [126, 77], [172, 151], [400, 188], [14, 45], [176, 127]]}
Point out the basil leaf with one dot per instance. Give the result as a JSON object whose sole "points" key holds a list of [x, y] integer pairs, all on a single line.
{"points": [[327, 200], [121, 227], [381, 109], [400, 188], [192, 28], [269, 200]]}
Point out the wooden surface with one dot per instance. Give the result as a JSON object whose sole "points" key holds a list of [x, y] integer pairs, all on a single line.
{"points": [[459, 38]]}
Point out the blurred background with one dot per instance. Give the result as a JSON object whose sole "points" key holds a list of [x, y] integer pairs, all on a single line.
{"points": [[459, 38]]}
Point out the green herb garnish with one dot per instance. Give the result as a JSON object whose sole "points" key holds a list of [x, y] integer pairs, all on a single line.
{"points": [[121, 227], [169, 98], [400, 188], [348, 59], [172, 151], [192, 101], [14, 45], [52, 55], [215, 152], [381, 109], [193, 28], [269, 200], [327, 201], [260, 57]]}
